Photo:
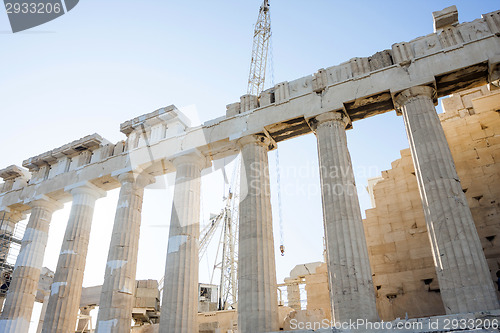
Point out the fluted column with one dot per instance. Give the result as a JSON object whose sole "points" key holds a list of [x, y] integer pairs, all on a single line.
{"points": [[118, 291], [352, 295], [462, 270], [257, 288], [84, 321], [20, 298], [293, 293], [43, 312], [180, 291], [64, 301]]}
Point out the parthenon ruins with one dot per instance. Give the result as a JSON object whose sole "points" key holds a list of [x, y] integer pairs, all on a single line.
{"points": [[428, 247]]}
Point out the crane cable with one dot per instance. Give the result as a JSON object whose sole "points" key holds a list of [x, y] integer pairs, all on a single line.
{"points": [[280, 210], [262, 51], [277, 157]]}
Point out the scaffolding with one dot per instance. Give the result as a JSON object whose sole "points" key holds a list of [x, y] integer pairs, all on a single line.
{"points": [[11, 234]]}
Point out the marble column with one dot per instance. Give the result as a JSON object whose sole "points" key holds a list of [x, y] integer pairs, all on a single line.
{"points": [[352, 295], [20, 298], [118, 290], [293, 293], [180, 292], [257, 288], [43, 312], [84, 323], [462, 270], [64, 301]]}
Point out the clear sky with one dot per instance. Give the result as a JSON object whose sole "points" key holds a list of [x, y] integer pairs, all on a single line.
{"points": [[109, 61]]}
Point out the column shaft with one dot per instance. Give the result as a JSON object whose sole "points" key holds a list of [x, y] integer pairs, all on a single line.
{"points": [[118, 291], [42, 313], [20, 298], [83, 325], [293, 294], [257, 288], [64, 301], [462, 270], [180, 292], [352, 294]]}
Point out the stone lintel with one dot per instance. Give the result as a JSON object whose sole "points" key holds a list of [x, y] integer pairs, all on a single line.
{"points": [[445, 17], [13, 172], [289, 119], [368, 105], [89, 142], [166, 115]]}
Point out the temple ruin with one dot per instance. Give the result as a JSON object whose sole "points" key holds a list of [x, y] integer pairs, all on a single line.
{"points": [[429, 247]]}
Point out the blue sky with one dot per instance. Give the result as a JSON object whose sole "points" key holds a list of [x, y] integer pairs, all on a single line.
{"points": [[109, 61]]}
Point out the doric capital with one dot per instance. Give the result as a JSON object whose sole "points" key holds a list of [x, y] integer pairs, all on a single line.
{"points": [[401, 98], [194, 157], [137, 179], [258, 139], [43, 201], [327, 117], [85, 188]]}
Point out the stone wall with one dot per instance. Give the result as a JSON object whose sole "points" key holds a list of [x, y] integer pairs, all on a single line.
{"points": [[400, 253], [318, 297]]}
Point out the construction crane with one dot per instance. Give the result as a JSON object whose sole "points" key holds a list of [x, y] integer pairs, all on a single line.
{"points": [[230, 215], [228, 218], [257, 78], [260, 49], [10, 245], [208, 232], [227, 221], [228, 288]]}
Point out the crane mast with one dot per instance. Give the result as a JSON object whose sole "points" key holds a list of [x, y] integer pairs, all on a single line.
{"points": [[257, 78], [228, 292], [261, 38], [226, 222], [228, 219]]}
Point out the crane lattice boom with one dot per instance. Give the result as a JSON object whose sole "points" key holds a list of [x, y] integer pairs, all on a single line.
{"points": [[261, 38]]}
